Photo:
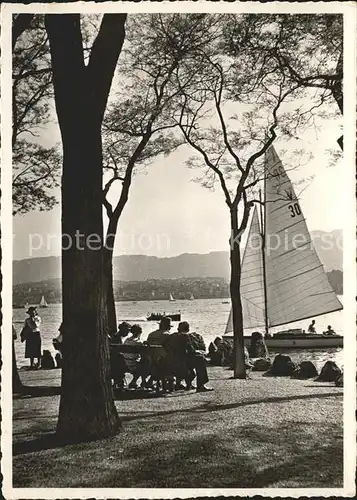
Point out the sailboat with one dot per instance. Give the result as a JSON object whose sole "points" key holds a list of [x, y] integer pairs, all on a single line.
{"points": [[283, 283], [43, 302], [191, 297], [171, 299]]}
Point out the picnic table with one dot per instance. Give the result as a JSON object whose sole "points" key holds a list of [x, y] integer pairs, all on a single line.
{"points": [[143, 349], [152, 359]]}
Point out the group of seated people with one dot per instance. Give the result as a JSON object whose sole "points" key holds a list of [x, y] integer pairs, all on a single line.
{"points": [[181, 357], [221, 353]]}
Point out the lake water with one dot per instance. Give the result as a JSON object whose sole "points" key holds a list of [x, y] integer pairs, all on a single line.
{"points": [[206, 316]]}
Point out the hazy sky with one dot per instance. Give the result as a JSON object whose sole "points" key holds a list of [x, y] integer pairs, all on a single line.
{"points": [[168, 214]]}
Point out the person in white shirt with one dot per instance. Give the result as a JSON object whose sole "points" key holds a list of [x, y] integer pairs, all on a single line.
{"points": [[132, 359], [32, 336]]}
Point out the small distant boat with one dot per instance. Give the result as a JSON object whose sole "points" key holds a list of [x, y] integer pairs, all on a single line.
{"points": [[171, 299], [287, 283], [26, 306], [191, 297], [159, 316], [225, 302], [43, 302]]}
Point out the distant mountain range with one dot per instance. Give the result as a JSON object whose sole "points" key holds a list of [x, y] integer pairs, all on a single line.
{"points": [[187, 265]]}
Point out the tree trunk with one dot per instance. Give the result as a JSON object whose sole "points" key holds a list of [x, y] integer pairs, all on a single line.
{"points": [[237, 311], [87, 409], [17, 386], [110, 300], [337, 91], [340, 142]]}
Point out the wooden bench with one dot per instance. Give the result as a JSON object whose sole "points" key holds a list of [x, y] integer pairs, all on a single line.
{"points": [[153, 359]]}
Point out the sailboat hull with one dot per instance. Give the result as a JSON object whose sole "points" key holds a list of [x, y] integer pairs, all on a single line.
{"points": [[293, 341]]}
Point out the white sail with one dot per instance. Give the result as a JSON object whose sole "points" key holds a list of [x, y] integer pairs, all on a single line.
{"points": [[171, 299], [192, 297], [252, 284], [43, 302], [297, 286], [296, 283]]}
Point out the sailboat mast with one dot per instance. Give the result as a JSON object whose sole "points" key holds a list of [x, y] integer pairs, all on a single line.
{"points": [[263, 227]]}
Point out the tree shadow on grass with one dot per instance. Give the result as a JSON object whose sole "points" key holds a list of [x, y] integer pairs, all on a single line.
{"points": [[37, 391], [155, 455], [214, 407], [212, 461], [209, 406], [128, 395], [49, 440], [44, 442]]}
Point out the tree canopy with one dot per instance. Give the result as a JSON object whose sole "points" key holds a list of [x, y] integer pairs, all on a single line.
{"points": [[36, 166]]}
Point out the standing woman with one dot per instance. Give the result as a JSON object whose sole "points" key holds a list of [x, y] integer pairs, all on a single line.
{"points": [[31, 334]]}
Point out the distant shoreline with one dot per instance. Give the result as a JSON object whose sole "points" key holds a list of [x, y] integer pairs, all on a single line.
{"points": [[146, 300]]}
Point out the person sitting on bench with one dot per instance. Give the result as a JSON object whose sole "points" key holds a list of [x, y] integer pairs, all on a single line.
{"points": [[134, 360], [117, 362], [196, 361]]}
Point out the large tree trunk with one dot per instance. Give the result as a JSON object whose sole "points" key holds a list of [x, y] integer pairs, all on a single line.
{"points": [[87, 409], [237, 311]]}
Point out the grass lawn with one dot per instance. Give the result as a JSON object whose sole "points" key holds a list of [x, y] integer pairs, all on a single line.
{"points": [[257, 433]]}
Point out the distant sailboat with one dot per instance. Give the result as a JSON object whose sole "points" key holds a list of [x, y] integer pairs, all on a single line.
{"points": [[171, 299], [283, 283], [191, 297], [43, 302], [26, 306]]}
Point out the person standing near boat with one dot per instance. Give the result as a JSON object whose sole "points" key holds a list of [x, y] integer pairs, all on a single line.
{"points": [[312, 328], [32, 336]]}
